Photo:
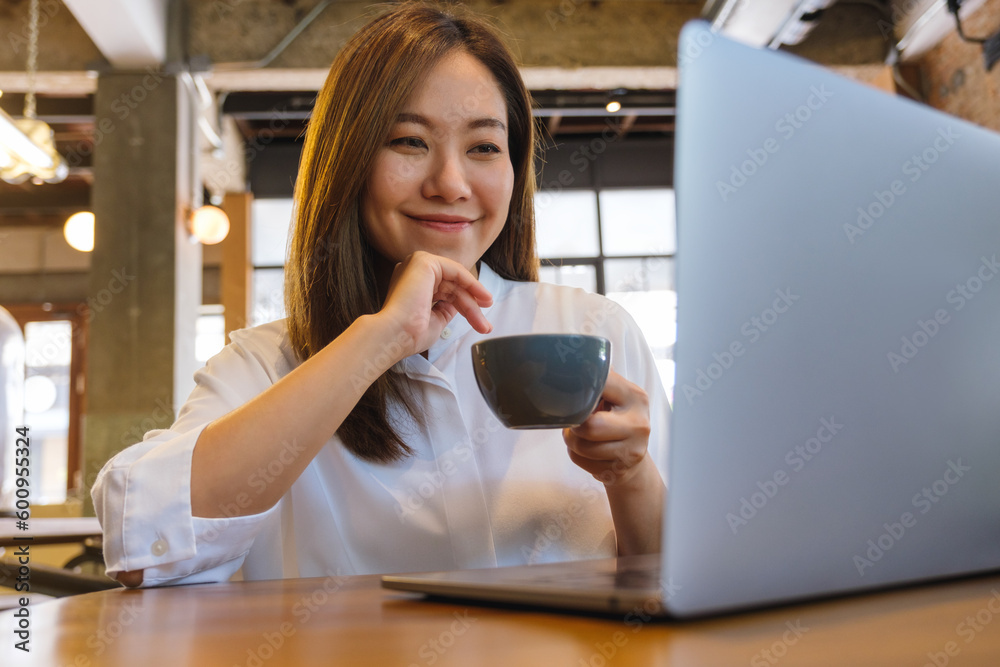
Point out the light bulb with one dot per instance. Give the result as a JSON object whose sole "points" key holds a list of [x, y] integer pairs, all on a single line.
{"points": [[209, 224], [79, 231]]}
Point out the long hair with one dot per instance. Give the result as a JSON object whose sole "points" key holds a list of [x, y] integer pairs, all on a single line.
{"points": [[330, 277]]}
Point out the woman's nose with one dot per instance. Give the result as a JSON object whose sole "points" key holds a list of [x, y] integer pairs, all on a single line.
{"points": [[447, 180]]}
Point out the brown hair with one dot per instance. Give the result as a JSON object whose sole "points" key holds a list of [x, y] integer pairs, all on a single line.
{"points": [[330, 277]]}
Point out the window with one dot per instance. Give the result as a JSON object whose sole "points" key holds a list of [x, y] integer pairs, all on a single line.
{"points": [[619, 242], [209, 332], [637, 222], [54, 351], [48, 349], [270, 223], [567, 223]]}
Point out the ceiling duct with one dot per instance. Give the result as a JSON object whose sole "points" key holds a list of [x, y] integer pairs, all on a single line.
{"points": [[768, 23], [920, 25]]}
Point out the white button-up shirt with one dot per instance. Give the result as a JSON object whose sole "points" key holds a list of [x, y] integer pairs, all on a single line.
{"points": [[473, 494]]}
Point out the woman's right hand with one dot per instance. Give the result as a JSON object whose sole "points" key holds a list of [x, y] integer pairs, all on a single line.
{"points": [[426, 291]]}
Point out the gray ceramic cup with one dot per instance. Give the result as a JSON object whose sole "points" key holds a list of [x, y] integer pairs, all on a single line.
{"points": [[542, 380]]}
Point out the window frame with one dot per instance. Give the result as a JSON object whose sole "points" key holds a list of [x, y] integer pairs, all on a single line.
{"points": [[25, 313]]}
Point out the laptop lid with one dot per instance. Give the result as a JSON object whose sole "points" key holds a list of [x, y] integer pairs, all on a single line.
{"points": [[837, 398]]}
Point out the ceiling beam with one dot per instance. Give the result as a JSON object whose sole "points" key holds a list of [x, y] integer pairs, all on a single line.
{"points": [[47, 198], [48, 221], [131, 34]]}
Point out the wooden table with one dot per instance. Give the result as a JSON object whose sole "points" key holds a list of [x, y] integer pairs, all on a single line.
{"points": [[56, 530], [352, 621]]}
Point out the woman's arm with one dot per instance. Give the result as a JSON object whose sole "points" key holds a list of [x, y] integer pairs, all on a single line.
{"points": [[292, 420], [637, 511], [612, 445], [288, 423]]}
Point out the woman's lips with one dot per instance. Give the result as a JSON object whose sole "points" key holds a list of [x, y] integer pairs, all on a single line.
{"points": [[442, 222]]}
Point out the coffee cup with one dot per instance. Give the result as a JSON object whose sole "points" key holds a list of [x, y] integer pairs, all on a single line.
{"points": [[542, 380]]}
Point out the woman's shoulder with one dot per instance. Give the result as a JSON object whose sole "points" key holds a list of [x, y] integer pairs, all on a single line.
{"points": [[274, 332], [551, 295], [268, 343], [563, 308]]}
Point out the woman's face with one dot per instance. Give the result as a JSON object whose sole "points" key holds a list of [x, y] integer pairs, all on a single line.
{"points": [[443, 181]]}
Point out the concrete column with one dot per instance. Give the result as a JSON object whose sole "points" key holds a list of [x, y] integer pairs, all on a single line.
{"points": [[145, 277]]}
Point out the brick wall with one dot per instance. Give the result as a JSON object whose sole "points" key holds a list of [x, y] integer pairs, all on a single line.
{"points": [[953, 76]]}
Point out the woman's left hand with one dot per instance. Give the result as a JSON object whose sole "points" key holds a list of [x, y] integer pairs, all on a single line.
{"points": [[613, 440], [612, 445]]}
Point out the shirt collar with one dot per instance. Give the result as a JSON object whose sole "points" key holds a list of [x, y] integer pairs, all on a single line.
{"points": [[492, 281]]}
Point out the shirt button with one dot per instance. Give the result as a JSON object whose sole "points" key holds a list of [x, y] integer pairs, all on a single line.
{"points": [[445, 333], [159, 547]]}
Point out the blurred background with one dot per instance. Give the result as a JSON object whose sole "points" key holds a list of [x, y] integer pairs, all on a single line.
{"points": [[140, 112]]}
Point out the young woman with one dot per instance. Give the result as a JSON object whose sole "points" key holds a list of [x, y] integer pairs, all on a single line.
{"points": [[350, 438]]}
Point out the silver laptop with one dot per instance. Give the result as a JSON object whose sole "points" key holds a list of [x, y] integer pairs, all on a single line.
{"points": [[837, 400]]}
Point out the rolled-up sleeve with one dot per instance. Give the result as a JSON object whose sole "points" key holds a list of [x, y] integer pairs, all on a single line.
{"points": [[142, 496]]}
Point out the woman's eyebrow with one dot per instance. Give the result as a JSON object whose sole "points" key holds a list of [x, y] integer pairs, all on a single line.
{"points": [[474, 124], [406, 117], [489, 122]]}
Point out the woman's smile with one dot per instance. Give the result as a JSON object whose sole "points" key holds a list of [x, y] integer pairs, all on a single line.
{"points": [[443, 222]]}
